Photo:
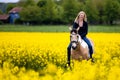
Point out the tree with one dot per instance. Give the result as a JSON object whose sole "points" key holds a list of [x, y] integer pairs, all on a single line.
{"points": [[25, 3], [10, 6], [41, 3], [100, 5], [71, 9], [58, 2], [58, 18], [30, 14], [112, 8], [91, 11], [1, 12], [48, 11], [118, 1]]}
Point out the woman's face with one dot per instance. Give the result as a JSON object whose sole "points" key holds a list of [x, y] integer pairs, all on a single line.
{"points": [[81, 15]]}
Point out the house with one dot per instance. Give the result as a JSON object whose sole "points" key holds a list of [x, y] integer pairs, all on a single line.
{"points": [[4, 3], [3, 7], [14, 14], [11, 16], [4, 18]]}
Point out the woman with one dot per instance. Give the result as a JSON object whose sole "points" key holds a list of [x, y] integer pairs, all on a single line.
{"points": [[81, 25]]}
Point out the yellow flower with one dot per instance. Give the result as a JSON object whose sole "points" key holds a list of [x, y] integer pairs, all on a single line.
{"points": [[20, 53]]}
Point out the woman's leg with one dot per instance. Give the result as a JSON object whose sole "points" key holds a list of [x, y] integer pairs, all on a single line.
{"points": [[89, 45], [69, 53]]}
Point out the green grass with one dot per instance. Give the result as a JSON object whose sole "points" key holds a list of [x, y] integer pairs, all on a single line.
{"points": [[54, 28], [43, 28], [115, 29]]}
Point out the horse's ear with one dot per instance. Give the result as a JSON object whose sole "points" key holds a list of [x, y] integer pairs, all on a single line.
{"points": [[78, 29], [78, 35], [70, 28]]}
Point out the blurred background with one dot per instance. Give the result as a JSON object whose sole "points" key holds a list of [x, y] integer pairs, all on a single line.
{"points": [[37, 12]]}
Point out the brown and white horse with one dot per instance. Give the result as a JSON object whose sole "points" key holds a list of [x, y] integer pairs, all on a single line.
{"points": [[79, 48]]}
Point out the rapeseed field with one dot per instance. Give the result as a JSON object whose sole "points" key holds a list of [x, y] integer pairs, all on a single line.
{"points": [[43, 56]]}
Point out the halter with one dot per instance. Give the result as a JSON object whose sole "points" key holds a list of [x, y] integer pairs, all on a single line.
{"points": [[78, 39]]}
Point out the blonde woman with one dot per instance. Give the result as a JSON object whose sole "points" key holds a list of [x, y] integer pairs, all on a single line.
{"points": [[80, 23]]}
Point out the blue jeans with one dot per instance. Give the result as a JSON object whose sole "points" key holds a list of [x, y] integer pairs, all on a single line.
{"points": [[89, 46]]}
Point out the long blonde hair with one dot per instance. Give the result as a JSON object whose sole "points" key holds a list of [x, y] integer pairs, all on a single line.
{"points": [[85, 16]]}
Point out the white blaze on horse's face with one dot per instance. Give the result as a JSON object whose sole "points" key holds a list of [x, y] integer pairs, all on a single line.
{"points": [[74, 40], [74, 37]]}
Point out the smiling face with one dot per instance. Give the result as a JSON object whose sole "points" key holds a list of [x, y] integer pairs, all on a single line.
{"points": [[81, 15]]}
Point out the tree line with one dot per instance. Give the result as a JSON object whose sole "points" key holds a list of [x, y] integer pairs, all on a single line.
{"points": [[65, 11]]}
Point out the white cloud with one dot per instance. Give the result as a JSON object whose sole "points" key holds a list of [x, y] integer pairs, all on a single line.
{"points": [[9, 1]]}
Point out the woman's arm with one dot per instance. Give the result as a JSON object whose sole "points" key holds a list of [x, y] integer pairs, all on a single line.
{"points": [[85, 30], [75, 25]]}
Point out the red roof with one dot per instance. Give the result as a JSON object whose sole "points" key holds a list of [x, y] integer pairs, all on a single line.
{"points": [[15, 9], [4, 16]]}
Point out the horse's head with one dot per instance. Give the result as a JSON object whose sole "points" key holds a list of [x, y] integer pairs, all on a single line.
{"points": [[74, 38]]}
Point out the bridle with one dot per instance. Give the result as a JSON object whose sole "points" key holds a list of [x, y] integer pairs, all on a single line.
{"points": [[77, 39]]}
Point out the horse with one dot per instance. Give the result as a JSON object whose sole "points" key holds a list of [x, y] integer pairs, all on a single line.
{"points": [[79, 48]]}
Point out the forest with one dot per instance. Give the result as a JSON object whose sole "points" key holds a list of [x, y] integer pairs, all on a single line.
{"points": [[64, 11]]}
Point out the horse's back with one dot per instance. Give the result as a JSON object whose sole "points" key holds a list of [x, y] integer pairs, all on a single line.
{"points": [[84, 44]]}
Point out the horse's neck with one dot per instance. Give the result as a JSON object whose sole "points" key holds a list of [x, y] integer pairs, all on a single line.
{"points": [[80, 39], [80, 44]]}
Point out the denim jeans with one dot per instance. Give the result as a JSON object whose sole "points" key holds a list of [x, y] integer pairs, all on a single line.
{"points": [[89, 46]]}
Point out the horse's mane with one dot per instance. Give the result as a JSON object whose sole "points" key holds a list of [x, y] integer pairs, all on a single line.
{"points": [[73, 30]]}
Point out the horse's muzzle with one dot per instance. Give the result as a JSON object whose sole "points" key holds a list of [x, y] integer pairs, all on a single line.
{"points": [[74, 45]]}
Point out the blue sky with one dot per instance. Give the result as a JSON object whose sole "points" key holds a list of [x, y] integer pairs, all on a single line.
{"points": [[8, 1]]}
